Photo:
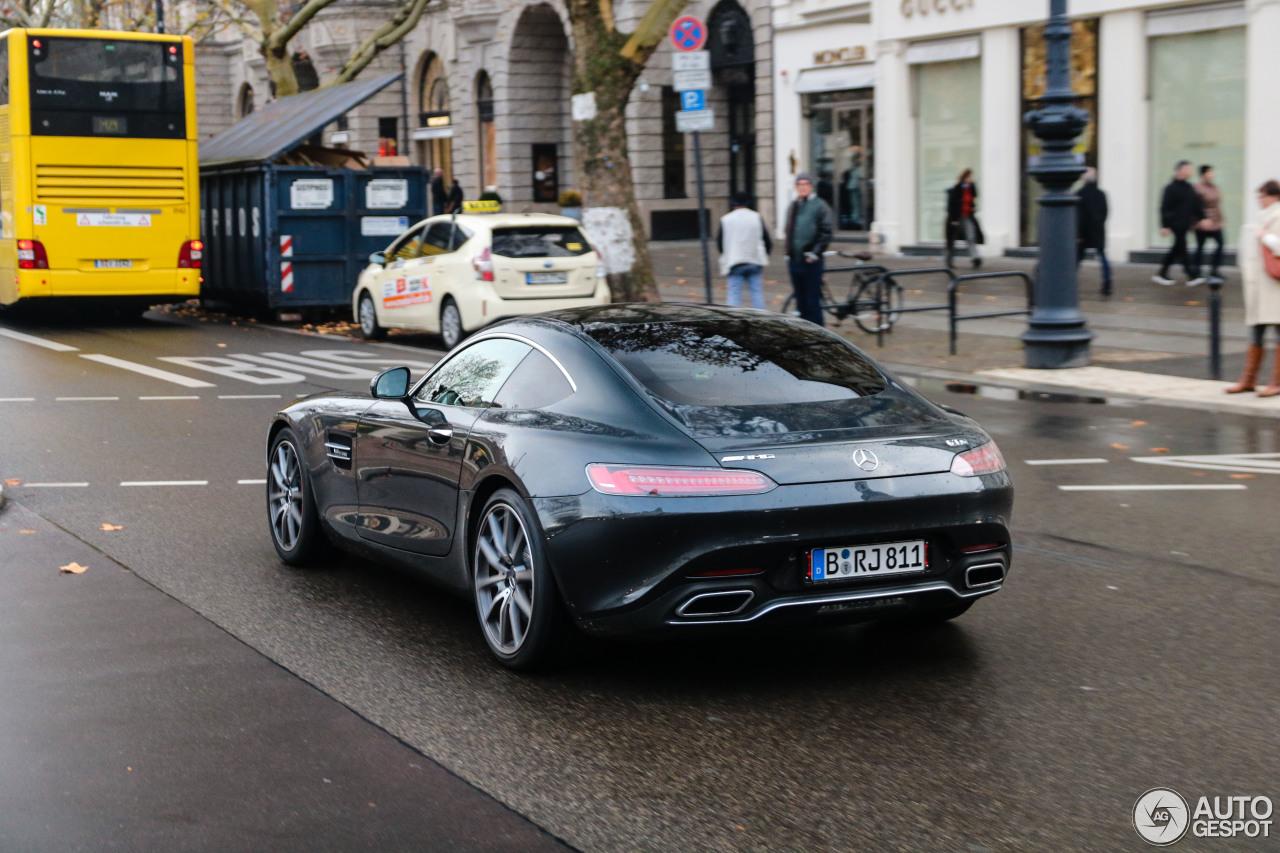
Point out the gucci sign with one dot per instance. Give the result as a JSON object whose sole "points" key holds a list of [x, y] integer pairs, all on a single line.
{"points": [[839, 55], [911, 8]]}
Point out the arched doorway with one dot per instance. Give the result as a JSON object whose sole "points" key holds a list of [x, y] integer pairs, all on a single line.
{"points": [[244, 104], [537, 121], [486, 133], [435, 128], [731, 41]]}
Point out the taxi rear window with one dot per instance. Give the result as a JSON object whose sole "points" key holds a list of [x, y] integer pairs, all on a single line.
{"points": [[540, 241]]}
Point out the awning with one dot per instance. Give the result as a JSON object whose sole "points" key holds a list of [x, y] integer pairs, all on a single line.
{"points": [[944, 50], [836, 77], [288, 122]]}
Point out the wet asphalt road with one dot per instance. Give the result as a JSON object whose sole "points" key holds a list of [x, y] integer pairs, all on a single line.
{"points": [[1134, 646]]}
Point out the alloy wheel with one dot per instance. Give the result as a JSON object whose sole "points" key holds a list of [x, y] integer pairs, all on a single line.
{"points": [[285, 497], [504, 579], [368, 318], [450, 325]]}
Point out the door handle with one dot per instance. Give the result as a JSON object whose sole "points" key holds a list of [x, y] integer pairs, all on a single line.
{"points": [[440, 434]]}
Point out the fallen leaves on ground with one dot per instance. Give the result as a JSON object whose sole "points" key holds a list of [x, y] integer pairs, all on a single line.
{"points": [[682, 281], [1193, 302], [1137, 423], [1242, 476], [770, 281], [993, 298], [26, 531], [13, 482], [1118, 446], [73, 569], [222, 346], [1159, 449], [106, 526]]}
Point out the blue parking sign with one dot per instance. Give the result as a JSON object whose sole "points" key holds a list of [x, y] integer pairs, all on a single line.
{"points": [[693, 99]]}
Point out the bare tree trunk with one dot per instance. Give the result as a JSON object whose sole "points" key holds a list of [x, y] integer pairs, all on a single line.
{"points": [[284, 81], [606, 65]]}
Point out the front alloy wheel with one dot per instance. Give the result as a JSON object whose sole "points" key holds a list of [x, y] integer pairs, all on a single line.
{"points": [[367, 315], [516, 599], [290, 508]]}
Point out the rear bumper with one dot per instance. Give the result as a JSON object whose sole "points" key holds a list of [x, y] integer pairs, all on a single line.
{"points": [[178, 283], [627, 566]]}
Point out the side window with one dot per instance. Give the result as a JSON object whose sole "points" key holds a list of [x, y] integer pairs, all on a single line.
{"points": [[457, 237], [536, 383], [407, 246], [472, 377], [438, 238]]}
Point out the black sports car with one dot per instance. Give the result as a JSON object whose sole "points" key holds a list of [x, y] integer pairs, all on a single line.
{"points": [[634, 469]]}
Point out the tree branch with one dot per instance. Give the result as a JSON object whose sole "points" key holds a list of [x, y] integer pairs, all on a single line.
{"points": [[651, 29], [400, 25], [282, 36]]}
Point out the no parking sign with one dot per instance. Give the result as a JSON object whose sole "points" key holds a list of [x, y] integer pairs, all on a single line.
{"points": [[688, 33]]}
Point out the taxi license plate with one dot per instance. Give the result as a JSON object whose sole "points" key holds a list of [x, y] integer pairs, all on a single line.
{"points": [[860, 561], [546, 278], [113, 265]]}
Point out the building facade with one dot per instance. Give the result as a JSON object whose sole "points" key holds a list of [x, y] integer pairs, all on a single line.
{"points": [[886, 101], [486, 97]]}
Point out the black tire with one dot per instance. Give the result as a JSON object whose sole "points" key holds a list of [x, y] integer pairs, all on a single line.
{"points": [[522, 618], [291, 507], [451, 331], [367, 317]]}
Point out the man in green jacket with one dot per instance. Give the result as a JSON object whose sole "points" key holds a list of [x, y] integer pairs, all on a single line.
{"points": [[809, 228]]}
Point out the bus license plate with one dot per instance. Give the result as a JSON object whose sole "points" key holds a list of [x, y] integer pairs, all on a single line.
{"points": [[546, 278], [113, 265], [860, 561]]}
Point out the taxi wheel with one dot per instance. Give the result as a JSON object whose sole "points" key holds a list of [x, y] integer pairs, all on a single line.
{"points": [[451, 330], [367, 317]]}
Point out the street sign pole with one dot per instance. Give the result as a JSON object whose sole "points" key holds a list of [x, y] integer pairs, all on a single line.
{"points": [[702, 219]]}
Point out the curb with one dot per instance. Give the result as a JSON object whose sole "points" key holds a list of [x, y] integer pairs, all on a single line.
{"points": [[915, 374]]}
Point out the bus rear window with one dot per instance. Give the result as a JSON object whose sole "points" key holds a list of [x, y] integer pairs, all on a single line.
{"points": [[106, 87], [540, 241]]}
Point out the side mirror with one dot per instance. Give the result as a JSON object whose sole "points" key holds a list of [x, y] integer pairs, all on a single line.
{"points": [[390, 384], [378, 258]]}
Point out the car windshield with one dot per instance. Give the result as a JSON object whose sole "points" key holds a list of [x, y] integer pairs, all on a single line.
{"points": [[734, 376], [540, 241]]}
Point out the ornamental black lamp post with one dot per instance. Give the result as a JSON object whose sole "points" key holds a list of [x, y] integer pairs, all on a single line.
{"points": [[1056, 335]]}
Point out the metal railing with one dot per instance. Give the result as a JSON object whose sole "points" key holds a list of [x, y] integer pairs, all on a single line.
{"points": [[953, 299], [889, 280]]}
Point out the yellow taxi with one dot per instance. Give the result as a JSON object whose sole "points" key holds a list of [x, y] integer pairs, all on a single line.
{"points": [[454, 274]]}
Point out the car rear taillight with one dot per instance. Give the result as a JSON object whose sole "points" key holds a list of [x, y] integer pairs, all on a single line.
{"points": [[676, 482], [31, 255], [192, 254], [986, 459], [483, 264]]}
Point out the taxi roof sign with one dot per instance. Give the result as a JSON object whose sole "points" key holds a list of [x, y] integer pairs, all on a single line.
{"points": [[481, 206]]}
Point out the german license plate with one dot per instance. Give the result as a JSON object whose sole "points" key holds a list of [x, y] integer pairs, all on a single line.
{"points": [[546, 277], [860, 561], [113, 265]]}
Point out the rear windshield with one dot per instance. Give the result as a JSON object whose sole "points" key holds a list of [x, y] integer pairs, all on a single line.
{"points": [[540, 241], [747, 376]]}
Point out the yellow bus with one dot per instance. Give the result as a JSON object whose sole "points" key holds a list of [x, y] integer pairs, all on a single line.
{"points": [[98, 166]]}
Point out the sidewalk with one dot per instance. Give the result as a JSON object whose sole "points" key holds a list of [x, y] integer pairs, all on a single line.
{"points": [[1150, 343]]}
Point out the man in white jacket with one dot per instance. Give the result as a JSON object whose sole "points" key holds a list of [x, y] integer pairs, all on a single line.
{"points": [[744, 246]]}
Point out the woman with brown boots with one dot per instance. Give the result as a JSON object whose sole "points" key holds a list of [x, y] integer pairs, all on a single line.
{"points": [[1261, 291]]}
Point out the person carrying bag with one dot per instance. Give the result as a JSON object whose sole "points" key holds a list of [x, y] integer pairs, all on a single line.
{"points": [[1260, 270]]}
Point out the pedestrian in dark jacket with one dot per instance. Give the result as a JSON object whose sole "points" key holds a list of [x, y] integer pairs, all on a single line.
{"points": [[437, 191], [962, 219], [1091, 224], [809, 229], [455, 198], [1210, 227], [1180, 210]]}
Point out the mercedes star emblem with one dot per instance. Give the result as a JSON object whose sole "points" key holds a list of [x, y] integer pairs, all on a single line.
{"points": [[865, 459]]}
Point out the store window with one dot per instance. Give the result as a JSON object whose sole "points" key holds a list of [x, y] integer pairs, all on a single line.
{"points": [[1197, 114], [673, 185], [488, 134], [388, 144], [435, 129], [1084, 85], [842, 154], [948, 106]]}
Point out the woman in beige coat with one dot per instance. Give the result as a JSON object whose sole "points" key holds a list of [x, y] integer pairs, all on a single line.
{"points": [[1261, 291]]}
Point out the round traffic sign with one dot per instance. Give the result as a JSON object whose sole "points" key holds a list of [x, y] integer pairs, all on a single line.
{"points": [[688, 33]]}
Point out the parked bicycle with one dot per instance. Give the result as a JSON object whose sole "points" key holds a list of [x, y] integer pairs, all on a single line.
{"points": [[873, 303]]}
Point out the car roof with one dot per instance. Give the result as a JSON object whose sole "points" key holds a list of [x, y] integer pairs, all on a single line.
{"points": [[510, 220]]}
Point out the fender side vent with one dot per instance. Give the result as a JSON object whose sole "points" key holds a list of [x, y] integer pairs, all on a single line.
{"points": [[338, 448]]}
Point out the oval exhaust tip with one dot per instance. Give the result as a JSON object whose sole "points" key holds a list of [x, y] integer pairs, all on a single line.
{"points": [[723, 603]]}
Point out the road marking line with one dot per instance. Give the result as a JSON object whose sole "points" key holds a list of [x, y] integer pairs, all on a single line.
{"points": [[251, 482], [1247, 463], [81, 399], [53, 485], [40, 342], [165, 483], [153, 372], [1092, 461], [17, 399], [169, 398], [1207, 487], [250, 396]]}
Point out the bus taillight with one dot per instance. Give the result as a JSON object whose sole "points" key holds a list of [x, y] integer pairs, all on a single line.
{"points": [[31, 255], [192, 254]]}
